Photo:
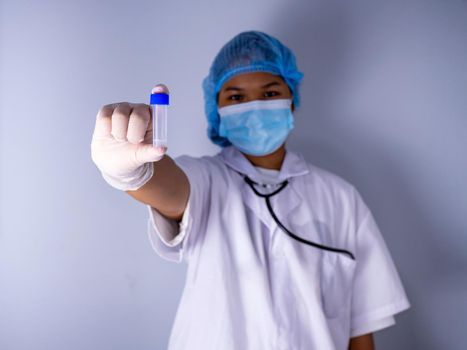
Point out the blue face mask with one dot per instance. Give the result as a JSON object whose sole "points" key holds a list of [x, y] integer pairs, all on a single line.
{"points": [[258, 127]]}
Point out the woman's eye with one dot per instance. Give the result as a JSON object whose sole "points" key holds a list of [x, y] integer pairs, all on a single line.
{"points": [[235, 97], [271, 93]]}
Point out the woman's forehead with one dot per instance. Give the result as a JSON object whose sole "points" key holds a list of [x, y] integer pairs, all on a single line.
{"points": [[253, 80]]}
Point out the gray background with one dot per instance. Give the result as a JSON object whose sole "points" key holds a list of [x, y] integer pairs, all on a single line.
{"points": [[384, 106]]}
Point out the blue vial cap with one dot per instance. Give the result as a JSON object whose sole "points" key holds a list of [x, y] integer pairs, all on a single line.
{"points": [[159, 99]]}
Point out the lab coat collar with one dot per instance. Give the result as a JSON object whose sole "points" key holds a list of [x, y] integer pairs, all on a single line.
{"points": [[293, 165]]}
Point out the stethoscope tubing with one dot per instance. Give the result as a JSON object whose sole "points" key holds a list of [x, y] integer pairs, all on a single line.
{"points": [[267, 198]]}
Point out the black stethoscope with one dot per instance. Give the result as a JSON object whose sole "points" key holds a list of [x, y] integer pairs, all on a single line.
{"points": [[267, 197]]}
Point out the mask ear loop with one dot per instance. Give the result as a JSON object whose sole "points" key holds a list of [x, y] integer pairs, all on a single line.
{"points": [[267, 197]]}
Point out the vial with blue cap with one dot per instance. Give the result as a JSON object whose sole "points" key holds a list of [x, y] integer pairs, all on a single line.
{"points": [[159, 104]]}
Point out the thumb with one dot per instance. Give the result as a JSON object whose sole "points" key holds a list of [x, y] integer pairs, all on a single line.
{"points": [[146, 153]]}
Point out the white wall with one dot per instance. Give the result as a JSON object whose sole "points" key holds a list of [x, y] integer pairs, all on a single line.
{"points": [[384, 106]]}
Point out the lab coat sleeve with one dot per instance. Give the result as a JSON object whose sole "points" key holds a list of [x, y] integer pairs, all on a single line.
{"points": [[169, 239], [378, 293], [375, 326]]}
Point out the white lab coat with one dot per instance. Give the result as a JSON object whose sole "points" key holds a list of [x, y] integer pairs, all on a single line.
{"points": [[250, 285]]}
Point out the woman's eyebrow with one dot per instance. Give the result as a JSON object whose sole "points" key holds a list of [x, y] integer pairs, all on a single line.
{"points": [[268, 85], [230, 88], [274, 83]]}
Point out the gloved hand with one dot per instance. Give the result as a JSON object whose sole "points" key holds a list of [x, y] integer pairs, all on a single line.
{"points": [[121, 145]]}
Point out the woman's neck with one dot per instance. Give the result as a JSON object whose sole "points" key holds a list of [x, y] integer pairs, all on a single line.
{"points": [[270, 161]]}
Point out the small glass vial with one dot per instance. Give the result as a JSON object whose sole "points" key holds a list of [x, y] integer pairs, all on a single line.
{"points": [[159, 103]]}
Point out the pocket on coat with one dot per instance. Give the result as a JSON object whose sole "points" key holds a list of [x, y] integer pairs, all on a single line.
{"points": [[336, 280]]}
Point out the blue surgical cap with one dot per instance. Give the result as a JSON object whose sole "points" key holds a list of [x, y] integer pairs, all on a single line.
{"points": [[247, 52]]}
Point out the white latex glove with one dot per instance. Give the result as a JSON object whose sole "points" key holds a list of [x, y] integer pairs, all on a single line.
{"points": [[121, 145]]}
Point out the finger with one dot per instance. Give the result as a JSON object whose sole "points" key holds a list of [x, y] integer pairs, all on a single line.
{"points": [[148, 138], [138, 123], [103, 126], [147, 153], [120, 118]]}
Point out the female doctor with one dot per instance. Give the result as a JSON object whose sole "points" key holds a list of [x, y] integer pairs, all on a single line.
{"points": [[281, 254]]}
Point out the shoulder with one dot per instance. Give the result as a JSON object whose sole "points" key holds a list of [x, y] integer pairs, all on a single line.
{"points": [[325, 186], [192, 161], [207, 167], [326, 179]]}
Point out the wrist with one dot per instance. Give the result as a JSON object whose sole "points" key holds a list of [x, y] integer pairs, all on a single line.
{"points": [[132, 181]]}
